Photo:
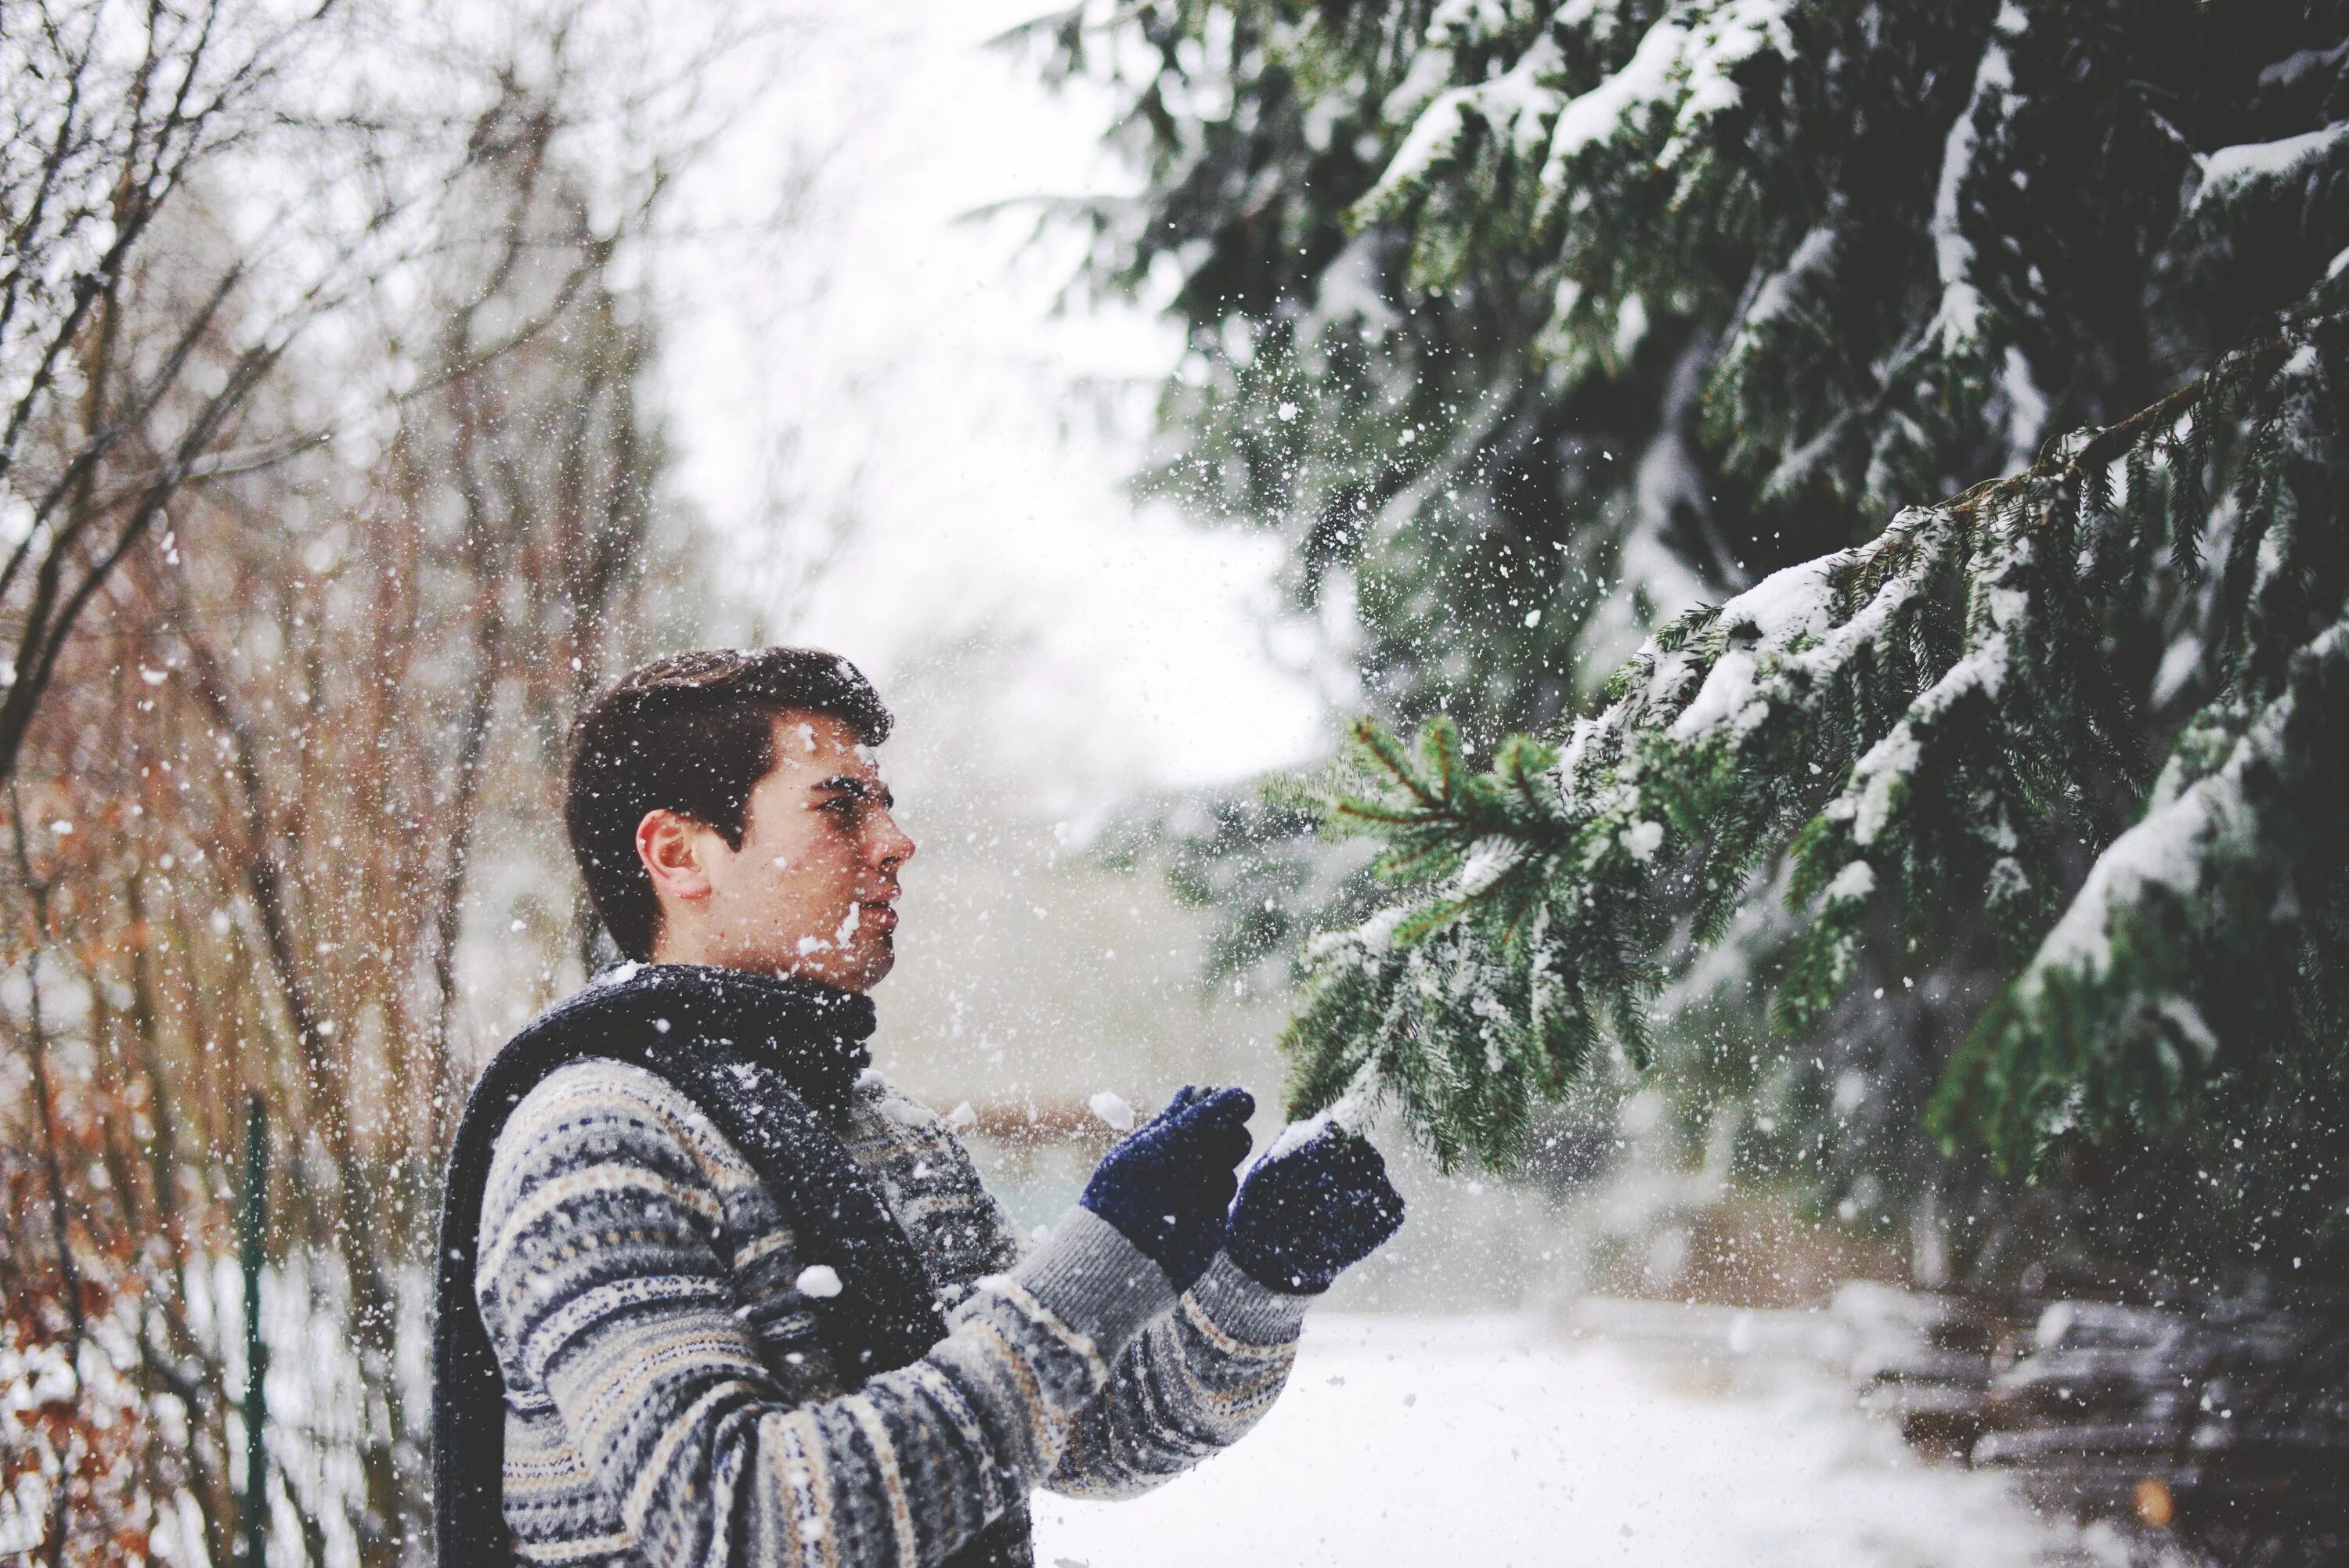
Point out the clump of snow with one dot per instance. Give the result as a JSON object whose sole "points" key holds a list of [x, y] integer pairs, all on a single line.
{"points": [[2227, 168], [1688, 54], [1855, 881], [1297, 1134], [1958, 321], [2164, 850], [962, 1116], [1727, 693], [2187, 1019], [1771, 300], [1814, 256], [2027, 407], [1113, 1109], [1642, 839], [1718, 44], [1372, 940], [2168, 849], [2179, 661], [1489, 859], [1514, 105], [1885, 766], [1788, 605], [818, 1280]]}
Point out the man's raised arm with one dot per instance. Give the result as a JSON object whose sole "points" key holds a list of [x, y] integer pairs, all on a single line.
{"points": [[604, 1294]]}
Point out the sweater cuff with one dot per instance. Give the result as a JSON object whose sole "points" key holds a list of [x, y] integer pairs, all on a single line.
{"points": [[1096, 1282], [1245, 1309]]}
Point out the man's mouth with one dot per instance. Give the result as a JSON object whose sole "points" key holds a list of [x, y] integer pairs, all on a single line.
{"points": [[878, 913]]}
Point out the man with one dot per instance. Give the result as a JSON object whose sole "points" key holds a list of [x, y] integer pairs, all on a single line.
{"points": [[710, 1292]]}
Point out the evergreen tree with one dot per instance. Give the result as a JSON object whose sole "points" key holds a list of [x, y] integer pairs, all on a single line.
{"points": [[1544, 323]]}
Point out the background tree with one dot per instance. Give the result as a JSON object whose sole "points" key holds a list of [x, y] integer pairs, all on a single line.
{"points": [[150, 286], [1531, 326], [283, 821]]}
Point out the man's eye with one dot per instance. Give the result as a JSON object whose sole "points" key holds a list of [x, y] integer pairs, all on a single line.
{"points": [[845, 804]]}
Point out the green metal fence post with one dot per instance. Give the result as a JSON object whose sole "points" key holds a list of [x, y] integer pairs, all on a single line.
{"points": [[253, 1225]]}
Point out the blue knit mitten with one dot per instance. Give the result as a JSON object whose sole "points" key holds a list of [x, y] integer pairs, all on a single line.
{"points": [[1166, 1186], [1313, 1209]]}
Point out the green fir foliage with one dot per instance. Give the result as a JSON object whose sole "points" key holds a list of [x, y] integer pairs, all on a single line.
{"points": [[1535, 327], [1909, 721]]}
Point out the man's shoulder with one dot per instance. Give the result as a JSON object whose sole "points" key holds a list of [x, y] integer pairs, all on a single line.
{"points": [[597, 1085], [609, 1109]]}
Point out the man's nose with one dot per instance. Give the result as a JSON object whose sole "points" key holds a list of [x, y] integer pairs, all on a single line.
{"points": [[894, 847]]}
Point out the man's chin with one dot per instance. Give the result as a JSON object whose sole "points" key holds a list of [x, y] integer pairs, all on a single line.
{"points": [[874, 967], [861, 967], [859, 970]]}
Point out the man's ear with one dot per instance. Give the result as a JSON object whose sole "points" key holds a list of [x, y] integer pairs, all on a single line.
{"points": [[674, 849]]}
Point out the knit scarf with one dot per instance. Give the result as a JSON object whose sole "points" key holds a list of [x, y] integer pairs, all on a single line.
{"points": [[772, 1063]]}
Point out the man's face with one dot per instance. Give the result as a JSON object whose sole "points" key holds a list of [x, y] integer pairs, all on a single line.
{"points": [[812, 890]]}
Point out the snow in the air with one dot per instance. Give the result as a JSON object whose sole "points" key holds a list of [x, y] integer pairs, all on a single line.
{"points": [[1110, 1107], [820, 1280]]}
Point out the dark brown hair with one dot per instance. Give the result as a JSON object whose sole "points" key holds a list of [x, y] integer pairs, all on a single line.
{"points": [[693, 734]]}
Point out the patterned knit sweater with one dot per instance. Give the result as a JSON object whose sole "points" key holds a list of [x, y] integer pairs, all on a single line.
{"points": [[667, 1397]]}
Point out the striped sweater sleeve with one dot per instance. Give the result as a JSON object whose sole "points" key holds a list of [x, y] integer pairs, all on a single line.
{"points": [[604, 1291], [1190, 1385]]}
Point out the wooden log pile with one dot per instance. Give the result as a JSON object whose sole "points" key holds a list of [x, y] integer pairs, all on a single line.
{"points": [[2227, 1428], [2217, 1436]]}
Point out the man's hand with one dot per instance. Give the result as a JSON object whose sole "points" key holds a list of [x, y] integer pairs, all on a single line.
{"points": [[1167, 1186], [1311, 1210]]}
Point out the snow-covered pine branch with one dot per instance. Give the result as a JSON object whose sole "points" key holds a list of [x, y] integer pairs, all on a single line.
{"points": [[1917, 723]]}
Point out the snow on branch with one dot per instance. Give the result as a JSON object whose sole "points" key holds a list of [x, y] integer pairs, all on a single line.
{"points": [[1680, 76], [2149, 972], [1904, 724], [2232, 169]]}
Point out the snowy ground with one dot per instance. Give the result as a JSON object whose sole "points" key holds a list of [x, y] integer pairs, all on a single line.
{"points": [[1482, 1442]]}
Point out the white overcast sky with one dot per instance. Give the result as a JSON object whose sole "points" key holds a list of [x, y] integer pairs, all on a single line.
{"points": [[911, 355]]}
